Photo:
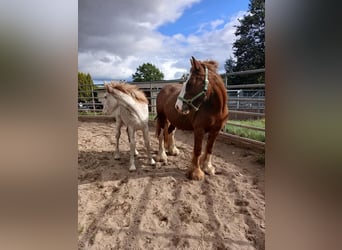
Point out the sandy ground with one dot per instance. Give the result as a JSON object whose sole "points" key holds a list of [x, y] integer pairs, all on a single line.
{"points": [[158, 207]]}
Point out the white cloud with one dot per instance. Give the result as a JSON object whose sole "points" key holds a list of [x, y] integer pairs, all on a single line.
{"points": [[216, 23], [115, 38]]}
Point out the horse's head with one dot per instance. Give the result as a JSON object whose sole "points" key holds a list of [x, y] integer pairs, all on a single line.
{"points": [[110, 103], [194, 90]]}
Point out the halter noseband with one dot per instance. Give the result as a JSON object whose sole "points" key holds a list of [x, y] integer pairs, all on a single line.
{"points": [[203, 92]]}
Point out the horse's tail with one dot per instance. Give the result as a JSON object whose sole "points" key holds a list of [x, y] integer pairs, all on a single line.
{"points": [[162, 124]]}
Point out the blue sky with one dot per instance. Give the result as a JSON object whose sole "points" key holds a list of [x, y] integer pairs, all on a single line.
{"points": [[116, 38], [204, 12]]}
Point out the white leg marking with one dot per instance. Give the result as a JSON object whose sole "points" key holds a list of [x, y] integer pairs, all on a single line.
{"points": [[161, 153], [207, 166], [172, 149], [132, 146], [147, 145]]}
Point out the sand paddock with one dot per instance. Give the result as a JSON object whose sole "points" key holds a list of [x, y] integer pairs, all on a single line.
{"points": [[158, 207]]}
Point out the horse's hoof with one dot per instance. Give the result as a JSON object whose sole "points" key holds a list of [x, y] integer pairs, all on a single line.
{"points": [[161, 158], [209, 170], [132, 168], [152, 162], [197, 174], [136, 153], [174, 151], [117, 157]]}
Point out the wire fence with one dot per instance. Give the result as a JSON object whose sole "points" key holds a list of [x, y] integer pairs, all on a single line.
{"points": [[245, 101]]}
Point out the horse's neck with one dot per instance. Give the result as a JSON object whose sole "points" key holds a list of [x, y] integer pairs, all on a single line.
{"points": [[217, 98]]}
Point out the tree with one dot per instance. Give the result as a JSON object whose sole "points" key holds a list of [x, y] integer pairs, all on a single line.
{"points": [[147, 72], [229, 67], [249, 47], [85, 87]]}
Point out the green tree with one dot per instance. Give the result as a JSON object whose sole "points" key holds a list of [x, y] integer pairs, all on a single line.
{"points": [[147, 72], [229, 67], [85, 87], [249, 47]]}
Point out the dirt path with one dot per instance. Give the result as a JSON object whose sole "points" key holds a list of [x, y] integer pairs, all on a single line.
{"points": [[158, 208]]}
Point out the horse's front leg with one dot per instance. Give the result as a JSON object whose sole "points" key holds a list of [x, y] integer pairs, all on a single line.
{"points": [[132, 148], [205, 159], [147, 145], [119, 124], [195, 172]]}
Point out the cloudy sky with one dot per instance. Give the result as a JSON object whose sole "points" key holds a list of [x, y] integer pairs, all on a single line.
{"points": [[116, 36]]}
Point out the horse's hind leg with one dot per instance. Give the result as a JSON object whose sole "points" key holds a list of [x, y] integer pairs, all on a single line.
{"points": [[129, 140], [147, 145], [205, 160], [171, 147], [161, 152], [132, 147]]}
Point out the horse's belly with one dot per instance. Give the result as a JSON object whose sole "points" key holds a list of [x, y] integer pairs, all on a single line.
{"points": [[180, 121]]}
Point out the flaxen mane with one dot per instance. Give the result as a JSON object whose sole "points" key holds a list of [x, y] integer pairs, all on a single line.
{"points": [[131, 90]]}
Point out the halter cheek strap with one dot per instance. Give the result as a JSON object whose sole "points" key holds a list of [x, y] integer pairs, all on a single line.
{"points": [[203, 92]]}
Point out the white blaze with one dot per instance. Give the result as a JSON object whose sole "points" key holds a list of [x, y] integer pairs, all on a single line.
{"points": [[179, 103]]}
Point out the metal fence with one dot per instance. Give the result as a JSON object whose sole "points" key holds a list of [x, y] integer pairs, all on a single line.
{"points": [[245, 101]]}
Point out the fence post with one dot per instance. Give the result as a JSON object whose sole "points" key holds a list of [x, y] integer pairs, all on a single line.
{"points": [[93, 98]]}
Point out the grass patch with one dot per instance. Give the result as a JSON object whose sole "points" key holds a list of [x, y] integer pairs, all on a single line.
{"points": [[152, 117], [90, 113], [246, 132]]}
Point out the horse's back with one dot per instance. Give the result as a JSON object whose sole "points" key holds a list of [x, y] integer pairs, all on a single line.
{"points": [[167, 96]]}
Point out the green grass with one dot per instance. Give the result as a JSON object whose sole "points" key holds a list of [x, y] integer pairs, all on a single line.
{"points": [[246, 132], [90, 113], [152, 117]]}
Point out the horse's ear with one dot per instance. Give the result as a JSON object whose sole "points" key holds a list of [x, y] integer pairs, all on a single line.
{"points": [[107, 87], [195, 64]]}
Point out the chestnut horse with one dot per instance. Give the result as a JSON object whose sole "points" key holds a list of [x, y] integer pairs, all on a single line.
{"points": [[200, 105]]}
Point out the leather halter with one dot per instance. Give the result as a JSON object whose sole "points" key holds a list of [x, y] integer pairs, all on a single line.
{"points": [[203, 92]]}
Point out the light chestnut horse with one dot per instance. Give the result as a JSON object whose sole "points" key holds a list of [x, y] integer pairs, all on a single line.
{"points": [[200, 105], [130, 107]]}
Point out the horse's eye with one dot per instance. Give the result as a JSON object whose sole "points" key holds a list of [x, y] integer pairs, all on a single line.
{"points": [[105, 97]]}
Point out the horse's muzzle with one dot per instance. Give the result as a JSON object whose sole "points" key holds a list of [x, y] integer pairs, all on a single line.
{"points": [[184, 110]]}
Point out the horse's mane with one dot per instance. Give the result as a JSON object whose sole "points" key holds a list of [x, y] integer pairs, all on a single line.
{"points": [[216, 81], [131, 90], [211, 65]]}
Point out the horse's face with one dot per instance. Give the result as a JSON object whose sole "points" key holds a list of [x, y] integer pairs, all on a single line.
{"points": [[109, 104], [194, 89]]}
